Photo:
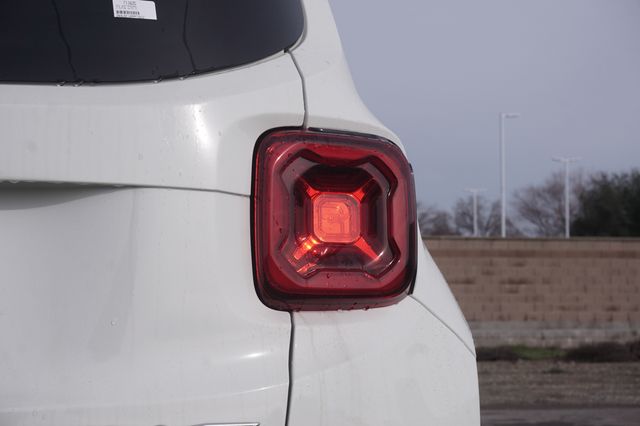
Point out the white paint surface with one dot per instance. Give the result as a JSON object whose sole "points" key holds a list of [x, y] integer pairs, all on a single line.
{"points": [[135, 307]]}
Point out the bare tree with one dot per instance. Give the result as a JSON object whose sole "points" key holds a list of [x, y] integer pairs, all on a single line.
{"points": [[434, 221], [541, 207], [488, 216]]}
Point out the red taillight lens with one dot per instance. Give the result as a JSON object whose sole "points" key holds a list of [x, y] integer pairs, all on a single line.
{"points": [[334, 222]]}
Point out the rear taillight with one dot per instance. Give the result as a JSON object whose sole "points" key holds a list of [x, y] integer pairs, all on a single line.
{"points": [[334, 222]]}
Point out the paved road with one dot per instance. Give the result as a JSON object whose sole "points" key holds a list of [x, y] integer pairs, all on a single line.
{"points": [[562, 417]]}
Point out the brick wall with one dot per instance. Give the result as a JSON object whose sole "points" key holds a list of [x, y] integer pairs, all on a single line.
{"points": [[544, 292]]}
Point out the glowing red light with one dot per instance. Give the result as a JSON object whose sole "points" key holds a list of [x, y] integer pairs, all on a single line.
{"points": [[334, 221], [336, 218]]}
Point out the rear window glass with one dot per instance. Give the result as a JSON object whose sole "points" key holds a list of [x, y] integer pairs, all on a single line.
{"points": [[112, 41]]}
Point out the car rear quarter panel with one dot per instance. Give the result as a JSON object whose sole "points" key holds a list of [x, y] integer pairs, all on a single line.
{"points": [[388, 366], [412, 363]]}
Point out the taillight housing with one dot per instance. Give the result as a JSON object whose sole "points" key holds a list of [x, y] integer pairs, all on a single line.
{"points": [[334, 221]]}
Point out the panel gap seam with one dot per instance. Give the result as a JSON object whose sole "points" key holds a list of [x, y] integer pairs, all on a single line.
{"points": [[290, 370], [305, 103]]}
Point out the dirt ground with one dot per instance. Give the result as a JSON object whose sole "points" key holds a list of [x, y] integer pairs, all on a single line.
{"points": [[604, 416], [551, 393], [558, 384]]}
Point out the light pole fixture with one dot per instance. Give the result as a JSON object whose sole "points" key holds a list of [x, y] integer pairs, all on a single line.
{"points": [[567, 212], [503, 166], [474, 193]]}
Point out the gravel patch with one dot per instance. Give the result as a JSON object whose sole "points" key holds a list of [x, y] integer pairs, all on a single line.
{"points": [[605, 416], [557, 384]]}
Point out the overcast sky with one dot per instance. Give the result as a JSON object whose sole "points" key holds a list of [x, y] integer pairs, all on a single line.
{"points": [[439, 72]]}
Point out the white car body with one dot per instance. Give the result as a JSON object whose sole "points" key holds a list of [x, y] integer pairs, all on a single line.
{"points": [[130, 299]]}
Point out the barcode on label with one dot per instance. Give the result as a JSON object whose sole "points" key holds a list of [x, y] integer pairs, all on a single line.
{"points": [[136, 9]]}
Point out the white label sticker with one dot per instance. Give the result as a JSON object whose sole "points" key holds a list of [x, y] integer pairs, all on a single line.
{"points": [[134, 9]]}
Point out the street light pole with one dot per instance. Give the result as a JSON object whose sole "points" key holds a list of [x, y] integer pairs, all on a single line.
{"points": [[567, 212], [503, 172], [474, 193]]}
